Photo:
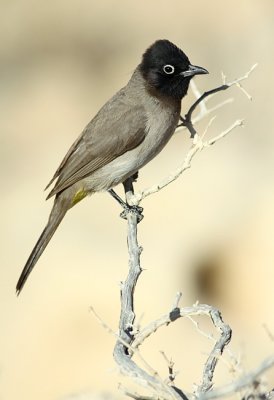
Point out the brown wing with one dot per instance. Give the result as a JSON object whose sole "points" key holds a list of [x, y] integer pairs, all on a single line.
{"points": [[118, 127]]}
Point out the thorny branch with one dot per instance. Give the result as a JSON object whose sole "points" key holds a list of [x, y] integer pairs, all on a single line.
{"points": [[129, 339], [198, 144], [243, 382], [197, 309], [122, 353], [187, 119]]}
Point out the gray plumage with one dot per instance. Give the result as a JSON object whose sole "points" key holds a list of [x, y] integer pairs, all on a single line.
{"points": [[127, 133]]}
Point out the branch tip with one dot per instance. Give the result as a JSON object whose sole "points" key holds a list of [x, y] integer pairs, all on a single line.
{"points": [[129, 340]]}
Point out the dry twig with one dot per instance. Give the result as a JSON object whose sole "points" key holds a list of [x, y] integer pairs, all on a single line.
{"points": [[130, 340], [188, 122]]}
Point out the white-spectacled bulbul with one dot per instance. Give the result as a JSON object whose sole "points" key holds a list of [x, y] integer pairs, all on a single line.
{"points": [[128, 132]]}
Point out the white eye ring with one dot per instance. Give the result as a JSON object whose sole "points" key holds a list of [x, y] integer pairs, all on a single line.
{"points": [[168, 69]]}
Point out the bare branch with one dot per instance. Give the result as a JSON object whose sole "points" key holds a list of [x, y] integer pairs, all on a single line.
{"points": [[170, 365], [241, 383], [268, 332], [187, 120], [123, 342], [208, 126], [197, 309], [122, 355], [239, 122], [130, 339], [177, 300], [209, 111], [197, 94], [197, 146]]}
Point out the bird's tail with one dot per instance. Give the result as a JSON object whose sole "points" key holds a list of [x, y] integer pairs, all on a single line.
{"points": [[57, 214]]}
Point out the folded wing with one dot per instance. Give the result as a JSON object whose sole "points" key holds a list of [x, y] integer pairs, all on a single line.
{"points": [[117, 128]]}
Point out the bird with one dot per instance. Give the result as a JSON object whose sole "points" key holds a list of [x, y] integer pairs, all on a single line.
{"points": [[127, 133]]}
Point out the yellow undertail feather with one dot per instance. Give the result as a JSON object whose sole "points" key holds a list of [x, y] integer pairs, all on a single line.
{"points": [[79, 195]]}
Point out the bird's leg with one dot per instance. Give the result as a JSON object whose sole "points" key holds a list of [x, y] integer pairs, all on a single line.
{"points": [[118, 198], [127, 208], [128, 186], [134, 178], [129, 191]]}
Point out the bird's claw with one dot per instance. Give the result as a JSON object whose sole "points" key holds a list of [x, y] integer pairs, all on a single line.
{"points": [[136, 210]]}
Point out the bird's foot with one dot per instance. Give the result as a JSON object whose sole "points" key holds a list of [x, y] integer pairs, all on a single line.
{"points": [[136, 210], [127, 208]]}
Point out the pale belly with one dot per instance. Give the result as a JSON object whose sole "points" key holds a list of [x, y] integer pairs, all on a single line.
{"points": [[127, 164]]}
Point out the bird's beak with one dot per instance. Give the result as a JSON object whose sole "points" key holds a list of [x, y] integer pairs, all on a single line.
{"points": [[194, 70]]}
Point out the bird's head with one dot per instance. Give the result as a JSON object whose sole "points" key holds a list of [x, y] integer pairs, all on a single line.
{"points": [[167, 69]]}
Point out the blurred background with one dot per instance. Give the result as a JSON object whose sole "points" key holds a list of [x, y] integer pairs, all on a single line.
{"points": [[209, 234]]}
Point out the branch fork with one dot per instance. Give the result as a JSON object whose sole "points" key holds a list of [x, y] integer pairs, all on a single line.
{"points": [[129, 339]]}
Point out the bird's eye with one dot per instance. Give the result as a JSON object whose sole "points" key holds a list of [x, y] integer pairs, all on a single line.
{"points": [[168, 69]]}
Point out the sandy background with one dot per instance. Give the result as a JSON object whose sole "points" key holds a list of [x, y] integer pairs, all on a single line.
{"points": [[210, 234]]}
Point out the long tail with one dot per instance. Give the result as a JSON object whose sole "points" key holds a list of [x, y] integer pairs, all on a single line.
{"points": [[58, 212]]}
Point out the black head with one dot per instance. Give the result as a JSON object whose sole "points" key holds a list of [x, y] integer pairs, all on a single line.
{"points": [[167, 69]]}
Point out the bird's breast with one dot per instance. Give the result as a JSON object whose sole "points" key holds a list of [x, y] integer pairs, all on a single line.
{"points": [[161, 123]]}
